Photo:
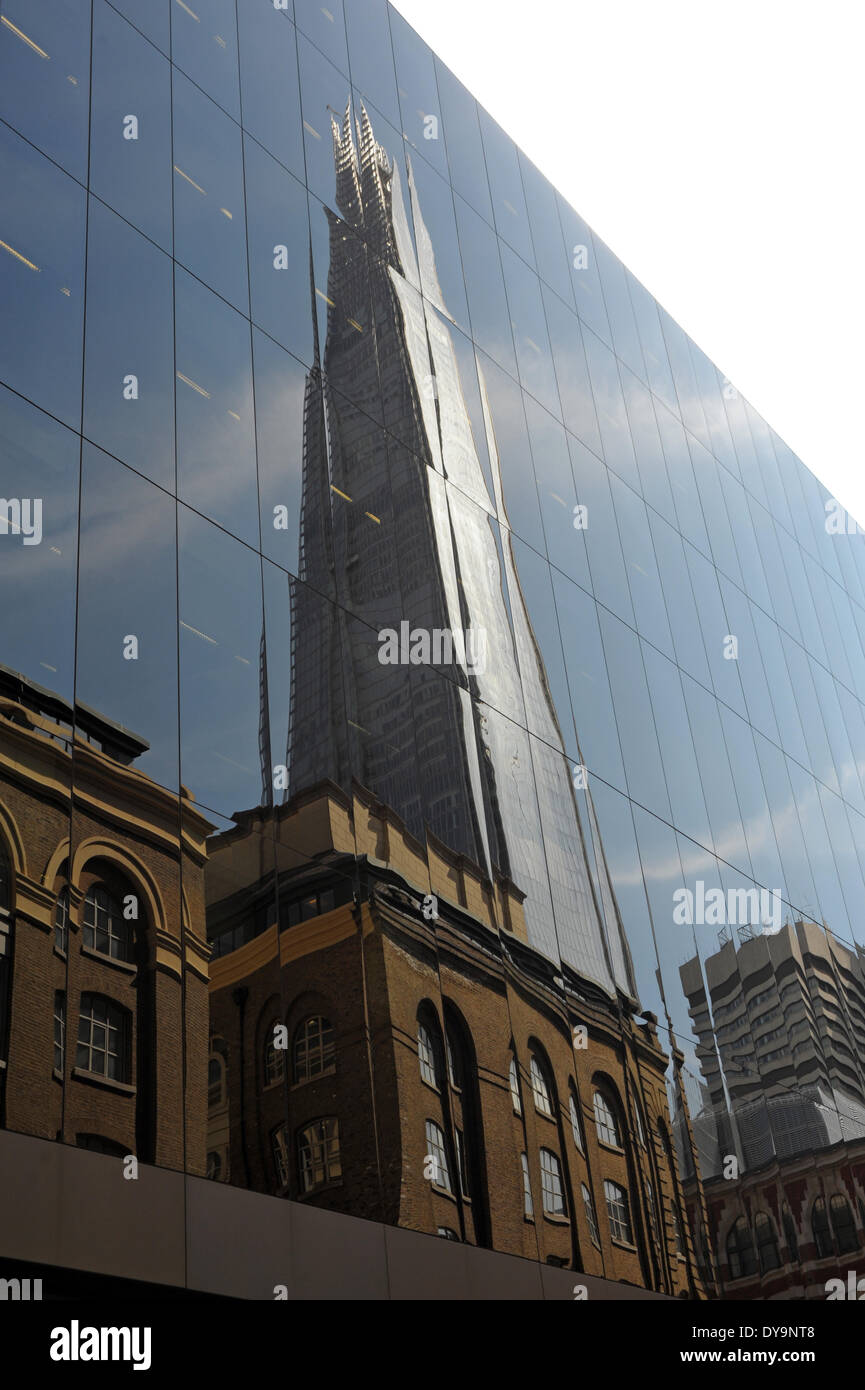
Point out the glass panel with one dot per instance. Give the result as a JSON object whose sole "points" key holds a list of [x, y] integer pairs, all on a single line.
{"points": [[506, 187], [130, 128], [129, 356], [270, 88], [204, 45], [45, 77], [209, 220], [418, 92], [278, 222], [42, 279]]}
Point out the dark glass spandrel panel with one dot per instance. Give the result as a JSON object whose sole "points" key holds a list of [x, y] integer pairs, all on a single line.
{"points": [[610, 406], [565, 537], [530, 331], [657, 372], [209, 215], [620, 313], [204, 46], [418, 93], [591, 701], [130, 126], [488, 308], [41, 279], [679, 597], [371, 55], [721, 649], [439, 261], [651, 465], [215, 412], [220, 609], [681, 474], [586, 282], [285, 404], [38, 545], [792, 739], [719, 789], [127, 613], [278, 235], [510, 456], [468, 170], [645, 584], [506, 187], [606, 563], [129, 348], [572, 373], [677, 747], [325, 25], [153, 19], [45, 77], [633, 710], [325, 95], [547, 240], [706, 472], [269, 83]]}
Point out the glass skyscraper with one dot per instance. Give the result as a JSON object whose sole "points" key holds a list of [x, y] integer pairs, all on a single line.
{"points": [[432, 748]]}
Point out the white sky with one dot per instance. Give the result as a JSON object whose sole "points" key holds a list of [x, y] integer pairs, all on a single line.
{"points": [[717, 147]]}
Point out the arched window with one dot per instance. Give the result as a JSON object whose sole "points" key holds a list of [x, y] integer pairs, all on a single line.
{"points": [[618, 1212], [279, 1145], [436, 1156], [314, 1048], [61, 919], [638, 1125], [652, 1211], [318, 1154], [740, 1251], [59, 1031], [820, 1229], [274, 1057], [426, 1052], [591, 1219], [103, 1038], [605, 1120], [540, 1086], [446, 1233], [514, 1081], [790, 1232], [104, 928], [215, 1080], [574, 1109], [767, 1242], [552, 1190], [528, 1205], [843, 1225], [5, 879]]}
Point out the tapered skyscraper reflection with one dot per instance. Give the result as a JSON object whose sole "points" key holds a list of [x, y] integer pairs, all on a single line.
{"points": [[406, 527]]}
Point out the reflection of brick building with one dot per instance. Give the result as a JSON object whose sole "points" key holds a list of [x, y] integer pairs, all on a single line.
{"points": [[90, 938], [785, 1229], [401, 1032]]}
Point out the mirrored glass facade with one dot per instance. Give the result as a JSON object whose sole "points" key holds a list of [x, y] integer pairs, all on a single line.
{"points": [[432, 700]]}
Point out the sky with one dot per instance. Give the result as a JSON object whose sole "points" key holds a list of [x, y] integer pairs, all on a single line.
{"points": [[717, 150]]}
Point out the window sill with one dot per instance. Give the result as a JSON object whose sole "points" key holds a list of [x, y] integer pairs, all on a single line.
{"points": [[58, 1075], [611, 1148], [624, 1245], [444, 1192], [126, 966], [108, 1083], [60, 953], [311, 1080], [544, 1116], [315, 1191], [557, 1218]]}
